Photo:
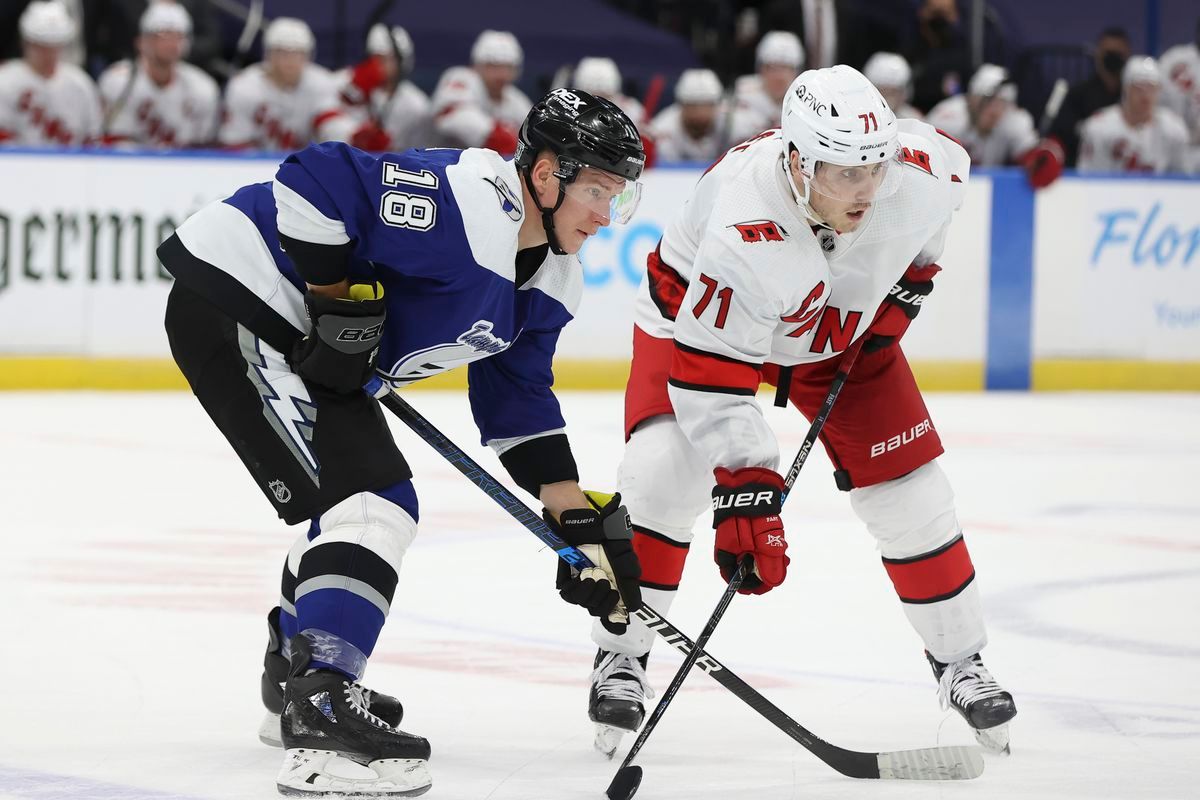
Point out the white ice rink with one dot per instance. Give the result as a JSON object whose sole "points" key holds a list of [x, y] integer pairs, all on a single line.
{"points": [[139, 561]]}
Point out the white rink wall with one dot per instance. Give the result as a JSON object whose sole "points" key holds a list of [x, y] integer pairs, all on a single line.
{"points": [[1091, 283]]}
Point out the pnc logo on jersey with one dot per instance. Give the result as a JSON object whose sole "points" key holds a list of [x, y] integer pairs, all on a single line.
{"points": [[918, 158], [761, 230], [510, 204]]}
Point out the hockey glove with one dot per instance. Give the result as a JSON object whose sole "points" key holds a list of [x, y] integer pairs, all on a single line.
{"points": [[901, 306], [609, 590], [1044, 163], [340, 351], [746, 505]]}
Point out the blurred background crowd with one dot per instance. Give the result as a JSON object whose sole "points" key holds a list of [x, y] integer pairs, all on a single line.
{"points": [[1041, 86]]}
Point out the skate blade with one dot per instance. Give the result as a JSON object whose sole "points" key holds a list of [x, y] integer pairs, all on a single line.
{"points": [[268, 731], [994, 740], [608, 738], [315, 773]]}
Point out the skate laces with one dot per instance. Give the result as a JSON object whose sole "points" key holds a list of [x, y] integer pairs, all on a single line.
{"points": [[621, 677], [360, 700], [964, 682]]}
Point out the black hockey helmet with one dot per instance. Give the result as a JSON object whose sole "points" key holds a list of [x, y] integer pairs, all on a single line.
{"points": [[583, 131]]}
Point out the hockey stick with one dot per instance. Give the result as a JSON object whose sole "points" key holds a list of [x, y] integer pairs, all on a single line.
{"points": [[935, 763], [629, 776]]}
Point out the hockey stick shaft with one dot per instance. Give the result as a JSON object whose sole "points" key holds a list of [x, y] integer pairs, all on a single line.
{"points": [[930, 764], [735, 582]]}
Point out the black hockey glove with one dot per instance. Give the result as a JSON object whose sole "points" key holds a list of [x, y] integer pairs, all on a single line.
{"points": [[609, 590], [901, 306], [340, 351]]}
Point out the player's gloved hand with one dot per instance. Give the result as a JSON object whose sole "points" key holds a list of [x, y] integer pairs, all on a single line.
{"points": [[502, 139], [609, 590], [368, 75], [371, 138], [746, 505], [900, 307], [340, 351], [1044, 163]]}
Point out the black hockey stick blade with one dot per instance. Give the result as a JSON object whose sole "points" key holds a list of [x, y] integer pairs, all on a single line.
{"points": [[625, 783]]}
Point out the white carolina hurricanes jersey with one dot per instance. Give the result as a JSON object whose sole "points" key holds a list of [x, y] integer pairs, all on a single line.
{"points": [[742, 278], [181, 114], [260, 114], [1181, 92], [63, 109], [754, 110], [672, 142], [1012, 137], [464, 114], [407, 110], [1110, 144]]}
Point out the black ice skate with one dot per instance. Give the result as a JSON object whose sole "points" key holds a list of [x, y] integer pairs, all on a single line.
{"points": [[968, 688], [619, 685], [335, 745], [275, 672]]}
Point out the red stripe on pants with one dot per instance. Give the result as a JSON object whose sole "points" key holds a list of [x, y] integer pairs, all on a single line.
{"points": [[661, 560], [933, 576]]}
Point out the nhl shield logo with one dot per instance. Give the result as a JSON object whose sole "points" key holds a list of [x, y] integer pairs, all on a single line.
{"points": [[280, 490]]}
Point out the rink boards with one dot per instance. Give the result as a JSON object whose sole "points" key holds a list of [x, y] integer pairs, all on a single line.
{"points": [[1092, 283]]}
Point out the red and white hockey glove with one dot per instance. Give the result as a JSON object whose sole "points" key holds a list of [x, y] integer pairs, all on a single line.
{"points": [[746, 505], [502, 139], [371, 137], [1044, 163], [368, 75], [901, 306]]}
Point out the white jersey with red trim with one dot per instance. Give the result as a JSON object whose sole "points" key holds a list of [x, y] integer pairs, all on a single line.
{"points": [[1012, 137], [673, 142], [1108, 143], [181, 114], [406, 111], [464, 114], [754, 110], [63, 109], [741, 278], [260, 114], [1181, 91]]}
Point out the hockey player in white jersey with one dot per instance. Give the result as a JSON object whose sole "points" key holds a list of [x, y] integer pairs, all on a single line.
{"points": [[286, 101], [601, 77], [290, 295], [892, 76], [1180, 67], [1138, 134], [690, 128], [158, 99], [792, 246], [478, 106], [391, 111], [757, 98], [44, 100]]}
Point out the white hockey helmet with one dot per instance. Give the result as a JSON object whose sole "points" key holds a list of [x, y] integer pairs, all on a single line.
{"points": [[1141, 69], [888, 70], [696, 86], [47, 22], [378, 44], [779, 47], [835, 116], [598, 76], [165, 18], [289, 33], [991, 80], [497, 47]]}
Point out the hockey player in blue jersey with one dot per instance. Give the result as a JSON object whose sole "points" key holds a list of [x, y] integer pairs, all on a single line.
{"points": [[289, 295]]}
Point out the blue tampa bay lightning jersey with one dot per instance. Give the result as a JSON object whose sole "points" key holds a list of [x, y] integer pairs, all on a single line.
{"points": [[438, 229]]}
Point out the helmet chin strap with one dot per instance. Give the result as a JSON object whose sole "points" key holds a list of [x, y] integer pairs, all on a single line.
{"points": [[802, 198], [547, 213]]}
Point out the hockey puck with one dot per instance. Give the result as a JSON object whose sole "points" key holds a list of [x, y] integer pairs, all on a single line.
{"points": [[625, 783]]}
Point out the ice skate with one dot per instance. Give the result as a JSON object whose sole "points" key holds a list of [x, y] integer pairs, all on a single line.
{"points": [[968, 688], [274, 677], [335, 745], [619, 685]]}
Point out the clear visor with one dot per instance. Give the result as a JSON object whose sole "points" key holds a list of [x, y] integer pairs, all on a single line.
{"points": [[858, 184], [605, 194]]}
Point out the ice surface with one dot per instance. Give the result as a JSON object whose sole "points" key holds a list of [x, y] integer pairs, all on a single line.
{"points": [[139, 561]]}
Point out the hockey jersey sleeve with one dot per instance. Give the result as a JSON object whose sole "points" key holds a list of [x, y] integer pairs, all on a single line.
{"points": [[723, 336], [517, 413]]}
